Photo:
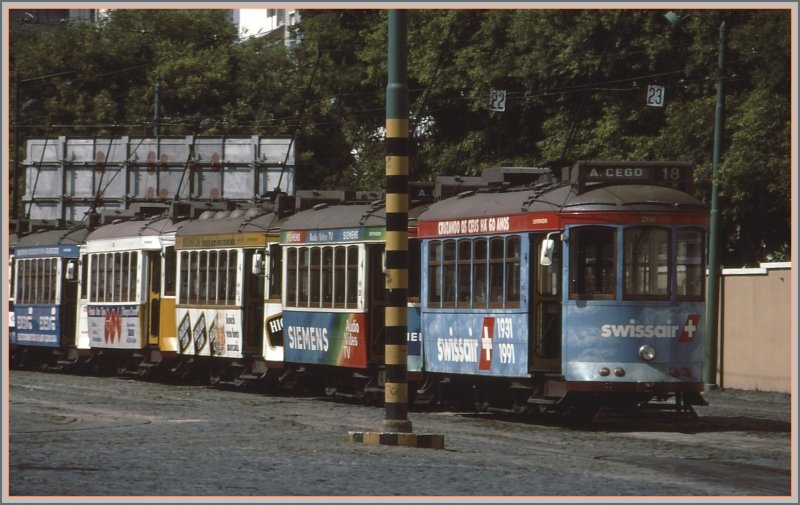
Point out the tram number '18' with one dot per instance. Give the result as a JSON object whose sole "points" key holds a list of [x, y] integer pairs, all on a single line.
{"points": [[505, 331]]}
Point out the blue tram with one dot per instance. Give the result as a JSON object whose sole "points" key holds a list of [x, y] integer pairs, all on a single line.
{"points": [[571, 294], [46, 311]]}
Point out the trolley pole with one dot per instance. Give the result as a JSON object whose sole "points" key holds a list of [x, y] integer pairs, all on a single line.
{"points": [[396, 351]]}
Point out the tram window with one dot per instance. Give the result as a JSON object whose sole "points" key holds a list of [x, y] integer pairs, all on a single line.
{"points": [[549, 276], [690, 274], [117, 278], [213, 277], [303, 274], [101, 277], [222, 277], [125, 278], [449, 273], [183, 296], [274, 272], [315, 271], [132, 273], [230, 291], [255, 282], [496, 259], [326, 277], [646, 262], [169, 270], [480, 272], [193, 279], [592, 265], [339, 275], [513, 279], [202, 293], [291, 277], [464, 273], [434, 273], [352, 276]]}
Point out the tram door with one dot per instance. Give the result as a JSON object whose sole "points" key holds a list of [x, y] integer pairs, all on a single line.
{"points": [[545, 307], [253, 306], [153, 282], [376, 315], [69, 299]]}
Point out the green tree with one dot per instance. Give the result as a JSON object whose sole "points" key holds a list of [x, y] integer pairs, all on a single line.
{"points": [[576, 81]]}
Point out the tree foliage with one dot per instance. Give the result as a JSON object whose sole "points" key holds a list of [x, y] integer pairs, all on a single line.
{"points": [[575, 80]]}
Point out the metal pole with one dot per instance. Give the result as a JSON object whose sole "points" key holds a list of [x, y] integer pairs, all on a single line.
{"points": [[157, 109], [397, 148], [710, 368], [15, 178]]}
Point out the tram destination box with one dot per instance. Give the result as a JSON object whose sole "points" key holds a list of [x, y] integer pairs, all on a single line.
{"points": [[586, 175]]}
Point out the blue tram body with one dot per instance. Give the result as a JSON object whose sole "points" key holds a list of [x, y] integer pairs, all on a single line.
{"points": [[46, 294], [594, 285]]}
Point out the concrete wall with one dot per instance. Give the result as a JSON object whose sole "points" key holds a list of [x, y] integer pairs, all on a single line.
{"points": [[757, 343]]}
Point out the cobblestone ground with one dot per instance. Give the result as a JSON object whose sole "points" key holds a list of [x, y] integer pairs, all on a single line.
{"points": [[81, 436]]}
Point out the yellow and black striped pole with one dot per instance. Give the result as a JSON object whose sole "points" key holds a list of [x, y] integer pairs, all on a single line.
{"points": [[396, 385], [396, 426]]}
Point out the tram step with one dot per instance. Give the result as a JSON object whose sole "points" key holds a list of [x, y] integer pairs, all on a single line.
{"points": [[543, 401]]}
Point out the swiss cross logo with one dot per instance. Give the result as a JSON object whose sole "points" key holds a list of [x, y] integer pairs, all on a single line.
{"points": [[689, 329], [487, 336]]}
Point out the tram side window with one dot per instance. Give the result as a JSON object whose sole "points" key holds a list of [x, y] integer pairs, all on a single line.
{"points": [[449, 273], [37, 281], [496, 260], [592, 265], [213, 277], [326, 278], [291, 277], [690, 266], [230, 290], [513, 278], [316, 271], [339, 275], [434, 274], [352, 276], [464, 273], [183, 297], [170, 260], [479, 272], [222, 277], [322, 277], [275, 270]]}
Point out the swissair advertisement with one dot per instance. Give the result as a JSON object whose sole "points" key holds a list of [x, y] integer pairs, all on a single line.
{"points": [[612, 336], [476, 344]]}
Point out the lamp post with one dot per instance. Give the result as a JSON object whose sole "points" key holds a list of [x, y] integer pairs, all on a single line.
{"points": [[710, 350]]}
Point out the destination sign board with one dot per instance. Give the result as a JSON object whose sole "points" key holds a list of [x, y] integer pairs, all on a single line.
{"points": [[674, 174]]}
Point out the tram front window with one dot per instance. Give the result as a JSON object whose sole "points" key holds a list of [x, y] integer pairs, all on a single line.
{"points": [[646, 262], [592, 266]]}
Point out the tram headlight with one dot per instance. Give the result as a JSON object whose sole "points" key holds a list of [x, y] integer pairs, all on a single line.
{"points": [[647, 352]]}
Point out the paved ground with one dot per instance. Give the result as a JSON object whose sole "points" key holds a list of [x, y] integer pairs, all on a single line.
{"points": [[75, 436]]}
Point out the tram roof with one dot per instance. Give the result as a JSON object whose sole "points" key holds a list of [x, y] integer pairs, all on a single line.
{"points": [[324, 217], [49, 237], [253, 219], [155, 226], [328, 217], [563, 198]]}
